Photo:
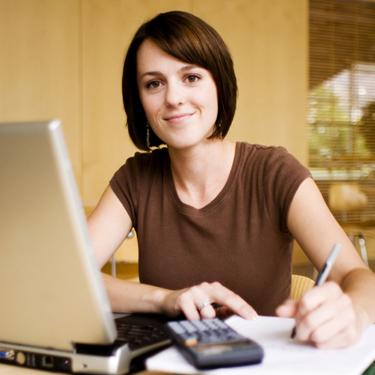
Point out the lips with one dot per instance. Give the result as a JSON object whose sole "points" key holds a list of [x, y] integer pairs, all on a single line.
{"points": [[178, 116]]}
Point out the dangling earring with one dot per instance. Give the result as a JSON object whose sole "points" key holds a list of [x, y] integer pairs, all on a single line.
{"points": [[147, 135]]}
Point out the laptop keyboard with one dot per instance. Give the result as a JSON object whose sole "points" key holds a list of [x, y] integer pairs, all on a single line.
{"points": [[141, 331]]}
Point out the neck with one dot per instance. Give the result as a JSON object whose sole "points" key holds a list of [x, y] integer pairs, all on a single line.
{"points": [[200, 173]]}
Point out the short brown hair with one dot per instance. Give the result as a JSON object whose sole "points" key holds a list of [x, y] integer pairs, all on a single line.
{"points": [[191, 40]]}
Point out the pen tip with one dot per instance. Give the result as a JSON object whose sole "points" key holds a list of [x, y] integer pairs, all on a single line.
{"points": [[293, 334]]}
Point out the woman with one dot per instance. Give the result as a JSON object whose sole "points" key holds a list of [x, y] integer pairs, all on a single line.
{"points": [[215, 220]]}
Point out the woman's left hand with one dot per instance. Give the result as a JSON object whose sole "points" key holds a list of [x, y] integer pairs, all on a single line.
{"points": [[325, 316]]}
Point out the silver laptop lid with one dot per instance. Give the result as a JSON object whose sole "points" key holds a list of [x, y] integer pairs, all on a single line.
{"points": [[51, 290]]}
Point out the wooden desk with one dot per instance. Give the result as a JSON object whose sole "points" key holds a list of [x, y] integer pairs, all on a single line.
{"points": [[15, 370]]}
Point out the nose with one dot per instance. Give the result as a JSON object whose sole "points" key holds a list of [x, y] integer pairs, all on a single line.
{"points": [[174, 94]]}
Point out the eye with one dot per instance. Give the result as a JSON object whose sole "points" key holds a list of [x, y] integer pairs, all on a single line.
{"points": [[192, 78], [154, 84]]}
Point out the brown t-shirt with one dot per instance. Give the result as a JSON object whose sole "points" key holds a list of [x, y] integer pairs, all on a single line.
{"points": [[240, 239]]}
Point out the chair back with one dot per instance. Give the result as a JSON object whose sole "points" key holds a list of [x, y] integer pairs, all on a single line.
{"points": [[300, 285]]}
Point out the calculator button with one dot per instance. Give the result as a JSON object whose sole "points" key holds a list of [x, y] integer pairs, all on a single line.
{"points": [[199, 325], [178, 328], [210, 323], [188, 326], [220, 324]]}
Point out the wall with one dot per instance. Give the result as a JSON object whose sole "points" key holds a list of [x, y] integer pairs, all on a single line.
{"points": [[40, 65], [63, 59]]}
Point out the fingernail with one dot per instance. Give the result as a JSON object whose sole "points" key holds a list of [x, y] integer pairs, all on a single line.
{"points": [[253, 316]]}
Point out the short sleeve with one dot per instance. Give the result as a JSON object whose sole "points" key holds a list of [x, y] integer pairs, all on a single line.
{"points": [[284, 176], [124, 185]]}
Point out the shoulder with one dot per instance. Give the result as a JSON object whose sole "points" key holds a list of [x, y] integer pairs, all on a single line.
{"points": [[267, 157], [273, 168], [260, 151], [133, 179], [141, 166], [277, 174], [157, 156], [144, 162]]}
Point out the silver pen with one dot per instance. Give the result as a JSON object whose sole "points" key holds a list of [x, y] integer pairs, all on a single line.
{"points": [[324, 272]]}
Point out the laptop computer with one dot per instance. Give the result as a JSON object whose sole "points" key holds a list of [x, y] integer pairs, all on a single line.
{"points": [[55, 314]]}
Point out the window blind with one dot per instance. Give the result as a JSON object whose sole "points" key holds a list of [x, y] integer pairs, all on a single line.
{"points": [[341, 108]]}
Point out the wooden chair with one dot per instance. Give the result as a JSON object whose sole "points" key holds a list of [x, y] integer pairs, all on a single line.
{"points": [[300, 285]]}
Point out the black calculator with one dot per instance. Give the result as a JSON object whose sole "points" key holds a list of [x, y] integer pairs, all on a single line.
{"points": [[212, 343]]}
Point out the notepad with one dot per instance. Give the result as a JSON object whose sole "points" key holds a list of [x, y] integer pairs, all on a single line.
{"points": [[282, 355]]}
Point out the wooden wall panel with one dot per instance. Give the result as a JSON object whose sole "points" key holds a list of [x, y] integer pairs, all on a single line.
{"points": [[40, 65]]}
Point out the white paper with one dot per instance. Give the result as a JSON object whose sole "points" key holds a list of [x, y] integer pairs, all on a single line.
{"points": [[282, 355]]}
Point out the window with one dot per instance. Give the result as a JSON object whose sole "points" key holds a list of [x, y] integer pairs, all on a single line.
{"points": [[341, 111]]}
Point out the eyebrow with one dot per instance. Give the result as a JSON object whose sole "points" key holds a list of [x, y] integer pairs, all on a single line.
{"points": [[182, 69]]}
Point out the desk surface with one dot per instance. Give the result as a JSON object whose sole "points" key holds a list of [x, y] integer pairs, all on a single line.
{"points": [[15, 370], [281, 353]]}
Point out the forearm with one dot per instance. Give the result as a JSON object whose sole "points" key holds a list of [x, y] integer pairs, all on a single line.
{"points": [[359, 284], [126, 296]]}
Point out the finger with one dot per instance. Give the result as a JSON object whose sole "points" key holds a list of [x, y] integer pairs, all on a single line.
{"points": [[288, 309], [187, 305], [190, 311], [203, 302], [343, 320], [307, 324], [317, 296], [196, 303], [220, 294], [207, 312], [326, 320], [342, 339]]}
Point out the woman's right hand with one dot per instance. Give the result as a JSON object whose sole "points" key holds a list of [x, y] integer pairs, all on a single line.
{"points": [[196, 302]]}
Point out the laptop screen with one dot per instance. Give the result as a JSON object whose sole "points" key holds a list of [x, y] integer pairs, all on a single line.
{"points": [[50, 284]]}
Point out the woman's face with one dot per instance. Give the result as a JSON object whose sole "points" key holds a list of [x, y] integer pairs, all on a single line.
{"points": [[179, 99]]}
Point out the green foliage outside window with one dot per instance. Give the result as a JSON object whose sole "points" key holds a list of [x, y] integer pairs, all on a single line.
{"points": [[332, 133]]}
